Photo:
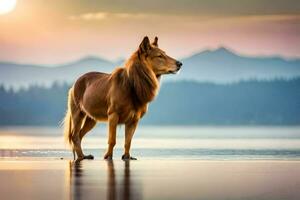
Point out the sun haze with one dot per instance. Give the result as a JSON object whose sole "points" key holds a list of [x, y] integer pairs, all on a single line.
{"points": [[7, 6]]}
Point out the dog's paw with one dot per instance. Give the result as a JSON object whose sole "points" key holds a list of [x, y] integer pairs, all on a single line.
{"points": [[128, 157], [89, 157], [78, 160], [108, 156]]}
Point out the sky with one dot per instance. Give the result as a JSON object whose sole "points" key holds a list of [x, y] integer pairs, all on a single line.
{"points": [[59, 31]]}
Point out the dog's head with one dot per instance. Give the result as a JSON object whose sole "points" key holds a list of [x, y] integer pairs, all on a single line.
{"points": [[157, 59]]}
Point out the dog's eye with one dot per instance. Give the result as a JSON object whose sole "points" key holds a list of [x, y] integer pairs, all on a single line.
{"points": [[159, 56]]}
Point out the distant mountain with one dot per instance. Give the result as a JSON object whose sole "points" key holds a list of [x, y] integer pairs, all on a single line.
{"points": [[219, 66], [17, 75], [222, 65]]}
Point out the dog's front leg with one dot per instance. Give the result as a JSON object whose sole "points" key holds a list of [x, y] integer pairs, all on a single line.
{"points": [[129, 131], [113, 119]]}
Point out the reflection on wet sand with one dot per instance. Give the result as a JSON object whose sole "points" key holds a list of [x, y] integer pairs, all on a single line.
{"points": [[111, 182], [90, 182], [76, 180], [150, 179], [126, 182]]}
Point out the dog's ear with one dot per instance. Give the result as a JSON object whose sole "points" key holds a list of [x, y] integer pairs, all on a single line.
{"points": [[155, 43], [145, 46]]}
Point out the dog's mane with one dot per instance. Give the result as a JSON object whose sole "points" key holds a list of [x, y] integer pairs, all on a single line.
{"points": [[142, 80]]}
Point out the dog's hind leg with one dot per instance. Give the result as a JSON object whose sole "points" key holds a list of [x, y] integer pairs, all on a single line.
{"points": [[77, 122], [88, 124], [74, 155]]}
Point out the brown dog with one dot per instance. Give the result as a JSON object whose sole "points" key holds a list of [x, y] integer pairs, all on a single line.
{"points": [[121, 97]]}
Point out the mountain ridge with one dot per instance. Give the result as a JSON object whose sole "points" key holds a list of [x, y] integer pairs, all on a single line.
{"points": [[221, 65], [99, 58]]}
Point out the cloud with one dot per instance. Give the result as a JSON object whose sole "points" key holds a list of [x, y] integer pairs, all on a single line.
{"points": [[106, 15], [187, 7], [90, 16]]}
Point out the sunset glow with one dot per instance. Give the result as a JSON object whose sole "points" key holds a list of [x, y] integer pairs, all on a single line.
{"points": [[65, 31], [7, 6]]}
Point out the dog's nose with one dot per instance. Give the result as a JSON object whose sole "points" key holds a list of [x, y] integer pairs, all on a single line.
{"points": [[179, 64]]}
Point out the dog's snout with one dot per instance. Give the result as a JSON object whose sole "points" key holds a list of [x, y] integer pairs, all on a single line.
{"points": [[178, 63]]}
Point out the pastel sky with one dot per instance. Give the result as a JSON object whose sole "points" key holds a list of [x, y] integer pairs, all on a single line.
{"points": [[57, 31]]}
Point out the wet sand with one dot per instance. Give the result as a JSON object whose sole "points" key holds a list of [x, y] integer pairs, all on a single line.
{"points": [[149, 179]]}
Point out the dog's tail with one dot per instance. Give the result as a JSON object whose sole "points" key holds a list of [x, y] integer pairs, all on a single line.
{"points": [[67, 122]]}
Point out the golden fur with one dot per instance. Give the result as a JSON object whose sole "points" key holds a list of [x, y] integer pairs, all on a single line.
{"points": [[121, 97]]}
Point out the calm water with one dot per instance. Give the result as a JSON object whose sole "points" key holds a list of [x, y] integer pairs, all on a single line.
{"points": [[167, 142]]}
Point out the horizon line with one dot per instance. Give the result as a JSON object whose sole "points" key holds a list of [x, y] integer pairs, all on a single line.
{"points": [[115, 61]]}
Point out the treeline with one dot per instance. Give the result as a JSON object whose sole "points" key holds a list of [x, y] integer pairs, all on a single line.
{"points": [[36, 105], [254, 102]]}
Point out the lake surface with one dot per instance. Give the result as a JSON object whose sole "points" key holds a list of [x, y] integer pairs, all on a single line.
{"points": [[161, 142]]}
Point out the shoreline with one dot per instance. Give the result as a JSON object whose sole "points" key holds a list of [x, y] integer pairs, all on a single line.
{"points": [[7, 159]]}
